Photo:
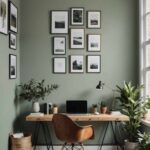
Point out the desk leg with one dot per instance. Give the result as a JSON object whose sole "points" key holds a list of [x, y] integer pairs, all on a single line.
{"points": [[100, 147], [50, 137], [36, 134]]}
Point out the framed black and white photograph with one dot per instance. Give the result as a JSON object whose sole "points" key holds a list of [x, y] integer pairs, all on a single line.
{"points": [[94, 19], [77, 39], [59, 65], [94, 44], [12, 66], [12, 41], [77, 16], [59, 22], [13, 18], [4, 16], [94, 64], [59, 46], [76, 64]]}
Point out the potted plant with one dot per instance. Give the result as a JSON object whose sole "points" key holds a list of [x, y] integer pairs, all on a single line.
{"points": [[132, 106], [144, 141], [147, 109], [94, 108], [103, 107], [34, 91]]}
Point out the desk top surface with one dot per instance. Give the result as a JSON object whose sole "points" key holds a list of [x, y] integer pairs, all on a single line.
{"points": [[81, 117]]}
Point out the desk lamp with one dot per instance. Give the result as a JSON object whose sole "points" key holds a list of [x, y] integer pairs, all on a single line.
{"points": [[101, 86]]}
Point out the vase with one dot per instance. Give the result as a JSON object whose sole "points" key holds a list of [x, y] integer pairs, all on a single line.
{"points": [[55, 110], [36, 107], [130, 145], [94, 109], [103, 110]]}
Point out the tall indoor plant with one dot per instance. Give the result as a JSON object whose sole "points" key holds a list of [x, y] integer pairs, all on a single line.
{"points": [[132, 106], [34, 91]]}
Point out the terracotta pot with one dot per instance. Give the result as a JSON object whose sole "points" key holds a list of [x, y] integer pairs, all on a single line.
{"points": [[103, 110], [55, 110], [131, 145]]}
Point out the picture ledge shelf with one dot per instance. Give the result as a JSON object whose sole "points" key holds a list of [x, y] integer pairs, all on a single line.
{"points": [[146, 122]]}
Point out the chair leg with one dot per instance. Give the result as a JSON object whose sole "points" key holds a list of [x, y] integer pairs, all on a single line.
{"points": [[82, 147], [64, 146]]}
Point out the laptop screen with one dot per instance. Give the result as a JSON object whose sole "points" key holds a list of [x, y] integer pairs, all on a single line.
{"points": [[76, 106]]}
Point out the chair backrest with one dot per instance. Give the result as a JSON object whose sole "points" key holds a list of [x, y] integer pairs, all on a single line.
{"points": [[65, 128]]}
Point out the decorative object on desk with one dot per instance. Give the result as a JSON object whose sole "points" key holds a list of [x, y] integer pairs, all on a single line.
{"points": [[13, 18], [59, 45], [94, 64], [144, 141], [59, 22], [12, 41], [132, 106], [76, 64], [77, 38], [94, 19], [94, 44], [94, 108], [59, 65], [12, 66], [101, 86], [77, 16], [4, 16], [55, 109], [34, 91], [103, 107]]}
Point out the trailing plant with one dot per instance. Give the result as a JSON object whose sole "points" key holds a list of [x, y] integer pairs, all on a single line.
{"points": [[95, 105], [34, 90], [103, 104], [133, 107], [144, 141]]}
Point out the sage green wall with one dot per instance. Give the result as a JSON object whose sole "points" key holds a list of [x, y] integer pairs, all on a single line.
{"points": [[8, 106], [119, 50]]}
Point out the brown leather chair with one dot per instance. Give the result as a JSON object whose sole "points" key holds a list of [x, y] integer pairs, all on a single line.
{"points": [[71, 133]]}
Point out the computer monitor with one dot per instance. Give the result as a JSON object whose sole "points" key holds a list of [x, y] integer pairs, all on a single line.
{"points": [[76, 106]]}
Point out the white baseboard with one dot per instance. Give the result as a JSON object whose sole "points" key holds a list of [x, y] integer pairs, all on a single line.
{"points": [[85, 148]]}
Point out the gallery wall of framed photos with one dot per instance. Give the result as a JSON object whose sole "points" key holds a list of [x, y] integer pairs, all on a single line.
{"points": [[68, 27], [9, 27]]}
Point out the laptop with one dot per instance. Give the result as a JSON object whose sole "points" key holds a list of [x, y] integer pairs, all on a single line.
{"points": [[76, 106]]}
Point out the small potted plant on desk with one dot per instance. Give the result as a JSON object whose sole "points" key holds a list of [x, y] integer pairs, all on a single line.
{"points": [[132, 106], [34, 91], [103, 107], [94, 108]]}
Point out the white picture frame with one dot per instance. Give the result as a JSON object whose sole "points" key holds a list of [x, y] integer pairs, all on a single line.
{"points": [[94, 43], [4, 16], [59, 45], [93, 64], [76, 64], [59, 22], [59, 65], [94, 19], [77, 38]]}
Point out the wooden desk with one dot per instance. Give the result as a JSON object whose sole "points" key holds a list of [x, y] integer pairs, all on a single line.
{"points": [[43, 120], [84, 117]]}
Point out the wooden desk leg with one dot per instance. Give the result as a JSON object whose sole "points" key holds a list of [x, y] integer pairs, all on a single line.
{"points": [[100, 147]]}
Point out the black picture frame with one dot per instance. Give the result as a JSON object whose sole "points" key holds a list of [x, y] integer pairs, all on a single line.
{"points": [[77, 16], [95, 38], [94, 59], [4, 23], [13, 17], [89, 26], [81, 32], [12, 66], [58, 27], [73, 58], [58, 65], [12, 42], [59, 45]]}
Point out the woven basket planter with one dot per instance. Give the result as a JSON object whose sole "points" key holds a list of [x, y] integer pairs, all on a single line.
{"points": [[23, 143]]}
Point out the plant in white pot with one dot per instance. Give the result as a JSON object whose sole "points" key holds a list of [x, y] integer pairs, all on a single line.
{"points": [[35, 91], [133, 107]]}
